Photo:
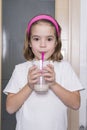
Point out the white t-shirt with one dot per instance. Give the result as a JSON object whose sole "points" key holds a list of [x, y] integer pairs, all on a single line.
{"points": [[43, 111]]}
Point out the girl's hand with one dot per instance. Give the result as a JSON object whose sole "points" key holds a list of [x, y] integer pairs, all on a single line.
{"points": [[33, 75], [49, 74]]}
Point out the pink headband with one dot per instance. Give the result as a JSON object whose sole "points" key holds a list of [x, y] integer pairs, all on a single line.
{"points": [[46, 17]]}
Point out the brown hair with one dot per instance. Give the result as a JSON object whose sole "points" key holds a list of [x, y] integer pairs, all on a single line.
{"points": [[56, 56]]}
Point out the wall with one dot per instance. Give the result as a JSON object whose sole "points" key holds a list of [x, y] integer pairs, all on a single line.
{"points": [[83, 63]]}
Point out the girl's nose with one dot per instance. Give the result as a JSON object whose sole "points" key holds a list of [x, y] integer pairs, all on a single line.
{"points": [[43, 43]]}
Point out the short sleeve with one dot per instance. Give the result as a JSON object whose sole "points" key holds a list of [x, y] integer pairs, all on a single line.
{"points": [[66, 76], [13, 84], [70, 78]]}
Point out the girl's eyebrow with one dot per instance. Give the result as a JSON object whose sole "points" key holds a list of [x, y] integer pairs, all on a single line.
{"points": [[35, 36], [50, 36]]}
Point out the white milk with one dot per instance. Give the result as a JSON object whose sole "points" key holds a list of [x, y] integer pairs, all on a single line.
{"points": [[41, 88], [42, 85]]}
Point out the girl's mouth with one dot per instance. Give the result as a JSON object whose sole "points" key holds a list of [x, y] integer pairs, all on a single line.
{"points": [[42, 53]]}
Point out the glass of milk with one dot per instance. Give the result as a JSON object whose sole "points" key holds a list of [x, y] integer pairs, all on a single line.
{"points": [[41, 85]]}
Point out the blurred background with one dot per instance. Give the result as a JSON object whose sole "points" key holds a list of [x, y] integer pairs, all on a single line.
{"points": [[15, 16]]}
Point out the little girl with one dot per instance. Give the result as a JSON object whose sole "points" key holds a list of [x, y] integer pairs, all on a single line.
{"points": [[47, 111]]}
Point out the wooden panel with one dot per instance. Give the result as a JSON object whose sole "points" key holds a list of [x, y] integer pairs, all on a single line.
{"points": [[62, 16], [74, 34], [67, 12]]}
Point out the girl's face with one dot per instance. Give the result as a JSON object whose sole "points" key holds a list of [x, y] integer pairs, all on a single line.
{"points": [[43, 39]]}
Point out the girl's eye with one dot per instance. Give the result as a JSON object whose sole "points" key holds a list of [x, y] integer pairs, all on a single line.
{"points": [[36, 39], [50, 39]]}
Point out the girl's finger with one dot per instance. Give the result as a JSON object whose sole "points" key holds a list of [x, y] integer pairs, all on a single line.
{"points": [[48, 68]]}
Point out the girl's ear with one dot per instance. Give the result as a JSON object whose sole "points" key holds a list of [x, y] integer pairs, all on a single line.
{"points": [[30, 44]]}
